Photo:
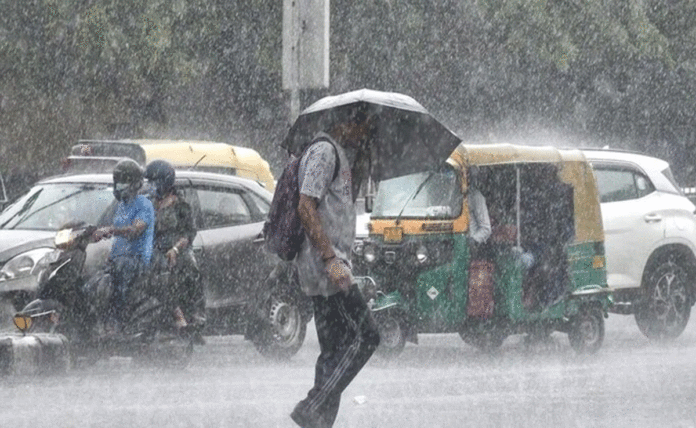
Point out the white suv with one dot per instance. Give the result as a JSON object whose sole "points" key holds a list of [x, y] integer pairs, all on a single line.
{"points": [[650, 239]]}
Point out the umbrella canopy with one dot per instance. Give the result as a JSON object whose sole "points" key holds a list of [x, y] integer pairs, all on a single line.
{"points": [[407, 139]]}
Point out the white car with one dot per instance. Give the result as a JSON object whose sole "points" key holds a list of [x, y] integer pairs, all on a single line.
{"points": [[650, 240]]}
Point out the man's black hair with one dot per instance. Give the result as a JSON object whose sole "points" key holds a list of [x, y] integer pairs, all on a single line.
{"points": [[355, 113]]}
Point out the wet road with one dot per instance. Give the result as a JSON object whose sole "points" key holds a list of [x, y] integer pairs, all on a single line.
{"points": [[441, 382]]}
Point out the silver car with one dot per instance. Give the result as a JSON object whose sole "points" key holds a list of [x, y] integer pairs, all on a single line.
{"points": [[247, 290]]}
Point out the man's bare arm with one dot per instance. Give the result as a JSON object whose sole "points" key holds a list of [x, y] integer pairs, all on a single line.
{"points": [[307, 210], [133, 231]]}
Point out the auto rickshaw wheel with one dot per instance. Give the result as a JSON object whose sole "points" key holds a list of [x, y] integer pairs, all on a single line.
{"points": [[665, 309], [283, 331], [586, 333], [392, 335]]}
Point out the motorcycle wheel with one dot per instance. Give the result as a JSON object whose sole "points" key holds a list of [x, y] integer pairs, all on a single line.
{"points": [[282, 333]]}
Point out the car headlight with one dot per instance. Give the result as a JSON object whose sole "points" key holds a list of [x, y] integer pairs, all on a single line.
{"points": [[422, 254], [25, 264]]}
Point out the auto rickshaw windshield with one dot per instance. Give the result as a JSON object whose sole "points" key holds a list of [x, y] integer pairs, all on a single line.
{"points": [[434, 194]]}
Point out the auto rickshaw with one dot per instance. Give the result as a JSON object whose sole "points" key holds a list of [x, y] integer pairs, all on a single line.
{"points": [[541, 270], [222, 158]]}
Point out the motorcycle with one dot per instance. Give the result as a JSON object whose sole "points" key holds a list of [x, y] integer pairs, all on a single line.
{"points": [[72, 306]]}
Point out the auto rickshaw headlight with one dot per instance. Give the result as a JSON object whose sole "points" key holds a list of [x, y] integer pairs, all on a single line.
{"points": [[369, 253], [422, 254], [358, 247]]}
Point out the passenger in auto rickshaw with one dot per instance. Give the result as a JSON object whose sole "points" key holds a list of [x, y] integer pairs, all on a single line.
{"points": [[482, 258], [546, 227]]}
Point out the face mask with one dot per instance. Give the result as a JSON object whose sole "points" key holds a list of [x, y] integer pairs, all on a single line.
{"points": [[122, 191]]}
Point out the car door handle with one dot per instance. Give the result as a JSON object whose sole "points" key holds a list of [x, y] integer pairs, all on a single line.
{"points": [[652, 218]]}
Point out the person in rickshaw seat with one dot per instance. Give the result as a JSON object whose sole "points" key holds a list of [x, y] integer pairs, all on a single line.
{"points": [[547, 226], [481, 262], [479, 220]]}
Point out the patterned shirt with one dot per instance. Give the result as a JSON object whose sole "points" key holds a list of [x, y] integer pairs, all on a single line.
{"points": [[335, 209]]}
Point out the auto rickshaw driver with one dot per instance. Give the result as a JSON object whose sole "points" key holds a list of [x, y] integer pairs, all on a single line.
{"points": [[479, 220], [481, 264]]}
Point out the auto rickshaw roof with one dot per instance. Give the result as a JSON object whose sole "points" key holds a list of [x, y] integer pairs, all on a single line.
{"points": [[209, 155], [573, 166], [497, 154], [187, 153]]}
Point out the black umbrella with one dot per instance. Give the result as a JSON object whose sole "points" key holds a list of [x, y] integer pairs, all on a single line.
{"points": [[407, 138]]}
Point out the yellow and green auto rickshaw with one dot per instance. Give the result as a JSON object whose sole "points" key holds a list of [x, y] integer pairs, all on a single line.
{"points": [[541, 269]]}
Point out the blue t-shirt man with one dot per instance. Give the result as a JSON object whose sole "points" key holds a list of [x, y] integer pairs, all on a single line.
{"points": [[127, 213], [133, 231]]}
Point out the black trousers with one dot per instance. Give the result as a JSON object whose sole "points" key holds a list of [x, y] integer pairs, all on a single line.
{"points": [[348, 337]]}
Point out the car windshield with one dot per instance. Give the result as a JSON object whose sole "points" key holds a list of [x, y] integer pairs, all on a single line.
{"points": [[422, 195], [50, 206]]}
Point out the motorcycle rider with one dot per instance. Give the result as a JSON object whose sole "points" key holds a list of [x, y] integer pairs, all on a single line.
{"points": [[174, 233], [133, 229]]}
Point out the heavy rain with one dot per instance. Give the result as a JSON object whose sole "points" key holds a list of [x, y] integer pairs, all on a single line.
{"points": [[216, 87]]}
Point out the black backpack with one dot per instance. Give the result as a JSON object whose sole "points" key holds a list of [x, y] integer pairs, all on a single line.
{"points": [[283, 231]]}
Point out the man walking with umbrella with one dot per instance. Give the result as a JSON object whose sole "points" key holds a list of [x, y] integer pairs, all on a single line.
{"points": [[344, 130], [346, 330]]}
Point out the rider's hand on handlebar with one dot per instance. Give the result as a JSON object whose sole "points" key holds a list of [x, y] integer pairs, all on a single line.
{"points": [[102, 233]]}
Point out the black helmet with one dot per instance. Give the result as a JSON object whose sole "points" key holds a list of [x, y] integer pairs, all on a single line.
{"points": [[128, 179], [161, 174]]}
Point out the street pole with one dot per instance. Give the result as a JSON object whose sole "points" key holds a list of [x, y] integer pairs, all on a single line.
{"points": [[305, 48], [295, 63]]}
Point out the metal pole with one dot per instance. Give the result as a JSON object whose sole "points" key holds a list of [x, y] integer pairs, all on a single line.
{"points": [[517, 206], [295, 67]]}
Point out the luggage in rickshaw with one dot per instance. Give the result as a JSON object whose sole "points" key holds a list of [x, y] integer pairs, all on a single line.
{"points": [[480, 299]]}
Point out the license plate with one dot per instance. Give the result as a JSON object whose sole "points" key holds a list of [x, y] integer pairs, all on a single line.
{"points": [[393, 234]]}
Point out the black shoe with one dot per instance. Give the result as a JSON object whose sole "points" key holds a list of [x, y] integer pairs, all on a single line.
{"points": [[307, 419]]}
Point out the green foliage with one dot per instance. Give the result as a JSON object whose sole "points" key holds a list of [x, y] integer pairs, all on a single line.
{"points": [[106, 68], [566, 32]]}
